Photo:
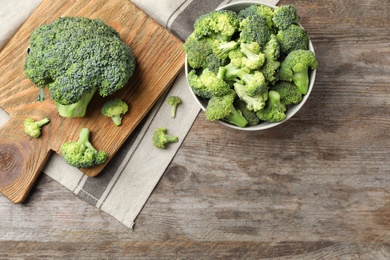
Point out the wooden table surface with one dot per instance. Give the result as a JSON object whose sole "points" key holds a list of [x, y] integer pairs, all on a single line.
{"points": [[317, 187]]}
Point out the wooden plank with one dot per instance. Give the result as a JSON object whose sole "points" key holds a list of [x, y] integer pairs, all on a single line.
{"points": [[159, 57]]}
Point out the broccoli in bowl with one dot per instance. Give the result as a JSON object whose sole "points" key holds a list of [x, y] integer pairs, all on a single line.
{"points": [[254, 62]]}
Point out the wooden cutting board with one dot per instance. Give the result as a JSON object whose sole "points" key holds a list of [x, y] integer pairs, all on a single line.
{"points": [[159, 58]]}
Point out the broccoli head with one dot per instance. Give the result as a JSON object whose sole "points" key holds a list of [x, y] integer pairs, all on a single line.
{"points": [[76, 57], [82, 154], [284, 16], [218, 24], [254, 29], [173, 101], [198, 51], [258, 10], [160, 138], [33, 128], [289, 93], [208, 84], [254, 81], [274, 111], [222, 108], [115, 109], [253, 103], [295, 68], [293, 38]]}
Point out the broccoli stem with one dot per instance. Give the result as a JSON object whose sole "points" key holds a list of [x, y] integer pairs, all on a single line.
{"points": [[236, 117], [77, 109], [41, 96], [117, 120], [43, 122], [84, 138], [171, 138]]}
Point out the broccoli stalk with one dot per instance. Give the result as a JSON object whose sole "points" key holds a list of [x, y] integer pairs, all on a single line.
{"points": [[82, 154], [33, 128], [274, 111], [77, 109], [160, 138], [115, 109], [173, 101]]}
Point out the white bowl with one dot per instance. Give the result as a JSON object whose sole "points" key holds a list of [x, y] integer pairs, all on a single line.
{"points": [[292, 109]]}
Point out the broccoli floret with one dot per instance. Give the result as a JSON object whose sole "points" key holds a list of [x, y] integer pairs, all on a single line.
{"points": [[271, 65], [254, 103], [253, 59], [274, 111], [254, 29], [160, 138], [82, 154], [218, 24], [214, 63], [261, 10], [219, 108], [198, 51], [33, 128], [293, 38], [295, 68], [254, 81], [284, 16], [249, 115], [173, 101], [222, 49], [76, 57], [289, 93], [208, 84], [115, 109]]}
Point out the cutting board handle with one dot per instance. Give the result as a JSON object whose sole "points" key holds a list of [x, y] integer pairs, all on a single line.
{"points": [[21, 160]]}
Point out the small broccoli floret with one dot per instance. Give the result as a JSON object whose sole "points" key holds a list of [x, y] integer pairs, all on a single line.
{"points": [[222, 49], [160, 138], [295, 68], [284, 16], [253, 59], [254, 103], [271, 65], [198, 51], [249, 115], [254, 29], [219, 108], [173, 101], [289, 93], [293, 38], [218, 24], [274, 111], [261, 10], [33, 128], [115, 109], [208, 84], [82, 154], [254, 81]]}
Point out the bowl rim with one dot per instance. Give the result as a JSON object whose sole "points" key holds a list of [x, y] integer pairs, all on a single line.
{"points": [[292, 110]]}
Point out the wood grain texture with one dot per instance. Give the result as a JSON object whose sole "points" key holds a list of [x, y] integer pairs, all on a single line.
{"points": [[317, 187], [159, 58]]}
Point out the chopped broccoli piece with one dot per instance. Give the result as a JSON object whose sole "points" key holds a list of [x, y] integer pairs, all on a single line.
{"points": [[115, 109], [249, 115], [208, 84], [274, 111], [222, 49], [76, 57], [82, 154], [253, 59], [218, 24], [173, 101], [219, 108], [258, 10], [271, 65], [160, 138], [198, 51], [284, 16], [289, 93], [254, 29], [253, 103], [33, 128], [293, 38], [254, 81], [295, 68]]}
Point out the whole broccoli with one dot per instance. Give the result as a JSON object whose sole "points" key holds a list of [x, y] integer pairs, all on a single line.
{"points": [[173, 101], [289, 93], [284, 16], [82, 154], [208, 84], [33, 128], [222, 108], [115, 109], [253, 103], [293, 38], [274, 111], [76, 57], [218, 25], [160, 138], [295, 68]]}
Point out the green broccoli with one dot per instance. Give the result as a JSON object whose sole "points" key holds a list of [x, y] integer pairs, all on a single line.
{"points": [[33, 128], [173, 101], [253, 59], [218, 24], [198, 51], [222, 49], [249, 115], [253, 103], [160, 138], [222, 108], [235, 57], [289, 93], [295, 68], [229, 72], [254, 81], [274, 111], [254, 29], [284, 16], [258, 10], [82, 154], [115, 109], [293, 38], [271, 65], [208, 84], [76, 57]]}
